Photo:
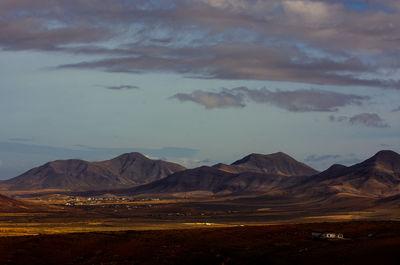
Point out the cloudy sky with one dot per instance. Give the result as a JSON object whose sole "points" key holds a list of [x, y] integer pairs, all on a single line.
{"points": [[198, 81]]}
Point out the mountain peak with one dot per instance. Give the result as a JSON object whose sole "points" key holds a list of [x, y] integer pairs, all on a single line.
{"points": [[385, 160], [377, 176], [132, 156], [336, 167], [386, 155], [256, 156], [276, 163]]}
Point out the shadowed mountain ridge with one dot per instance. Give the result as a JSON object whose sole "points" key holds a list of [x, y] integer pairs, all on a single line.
{"points": [[376, 176], [126, 170], [276, 163], [253, 173]]}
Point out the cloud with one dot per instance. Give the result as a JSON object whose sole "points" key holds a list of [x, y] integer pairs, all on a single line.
{"points": [[192, 163], [396, 109], [369, 120], [296, 101], [333, 118], [240, 61], [20, 139], [32, 33], [121, 87], [211, 100], [318, 158], [365, 119], [322, 162], [304, 100], [315, 42], [91, 153]]}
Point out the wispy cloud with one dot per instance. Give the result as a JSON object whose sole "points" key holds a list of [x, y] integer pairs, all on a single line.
{"points": [[88, 152], [317, 158], [121, 87], [396, 109], [192, 163], [16, 139], [322, 162], [369, 120], [296, 101], [211, 100], [241, 61], [365, 119]]}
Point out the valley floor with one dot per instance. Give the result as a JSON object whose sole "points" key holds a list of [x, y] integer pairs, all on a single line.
{"points": [[364, 243], [58, 216], [231, 230]]}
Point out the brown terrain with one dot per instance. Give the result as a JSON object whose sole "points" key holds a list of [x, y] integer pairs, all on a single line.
{"points": [[211, 181], [127, 170], [253, 174], [225, 214], [378, 176], [11, 205], [365, 243], [277, 163]]}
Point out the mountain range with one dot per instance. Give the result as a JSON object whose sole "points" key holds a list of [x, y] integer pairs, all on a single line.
{"points": [[253, 173], [126, 170], [377, 176], [134, 174]]}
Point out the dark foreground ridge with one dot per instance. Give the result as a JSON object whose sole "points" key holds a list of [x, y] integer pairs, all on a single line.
{"points": [[365, 243]]}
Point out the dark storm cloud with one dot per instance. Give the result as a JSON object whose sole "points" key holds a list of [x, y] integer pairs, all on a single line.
{"points": [[295, 101], [230, 39], [365, 119]]}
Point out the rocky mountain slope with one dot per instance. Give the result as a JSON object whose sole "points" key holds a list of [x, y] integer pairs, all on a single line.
{"points": [[376, 176], [127, 170], [277, 163], [253, 174]]}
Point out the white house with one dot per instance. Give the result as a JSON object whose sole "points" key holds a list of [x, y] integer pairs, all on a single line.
{"points": [[327, 235]]}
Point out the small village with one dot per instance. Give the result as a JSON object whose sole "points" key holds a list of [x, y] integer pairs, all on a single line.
{"points": [[79, 201]]}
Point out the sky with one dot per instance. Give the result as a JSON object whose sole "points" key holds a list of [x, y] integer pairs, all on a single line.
{"points": [[198, 82]]}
